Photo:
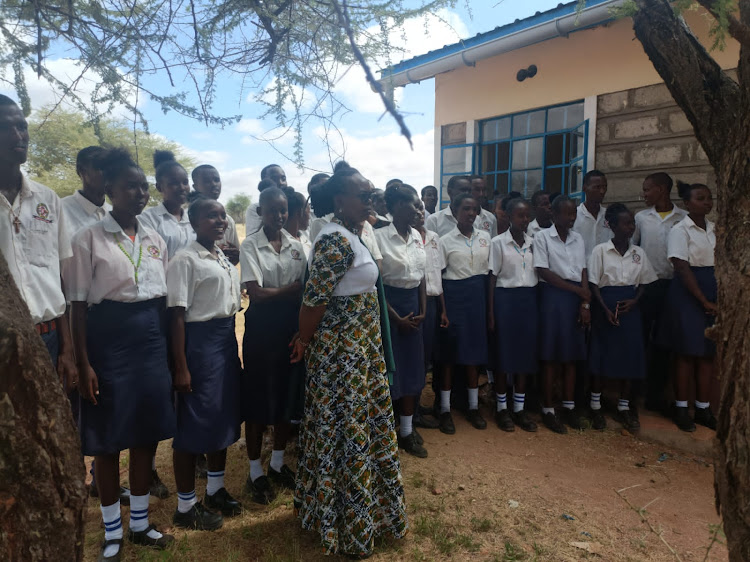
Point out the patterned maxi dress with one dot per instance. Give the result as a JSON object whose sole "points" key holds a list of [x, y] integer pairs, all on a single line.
{"points": [[349, 486]]}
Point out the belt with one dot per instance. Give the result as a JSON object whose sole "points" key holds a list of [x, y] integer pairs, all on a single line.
{"points": [[46, 327]]}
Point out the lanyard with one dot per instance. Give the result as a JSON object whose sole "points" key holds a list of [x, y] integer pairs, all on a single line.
{"points": [[136, 266]]}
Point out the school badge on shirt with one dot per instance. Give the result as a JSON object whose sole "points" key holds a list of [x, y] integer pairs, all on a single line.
{"points": [[482, 243], [636, 258], [295, 254], [42, 213], [486, 226], [154, 252]]}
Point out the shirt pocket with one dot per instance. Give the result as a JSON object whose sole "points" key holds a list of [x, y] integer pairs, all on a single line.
{"points": [[41, 242]]}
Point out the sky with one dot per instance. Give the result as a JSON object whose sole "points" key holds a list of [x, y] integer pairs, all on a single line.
{"points": [[368, 140]]}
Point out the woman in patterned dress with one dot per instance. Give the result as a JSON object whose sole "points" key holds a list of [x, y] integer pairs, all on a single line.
{"points": [[349, 486]]}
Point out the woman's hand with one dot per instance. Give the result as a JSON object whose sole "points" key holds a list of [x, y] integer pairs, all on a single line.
{"points": [[88, 384], [584, 294], [626, 306], [611, 317], [182, 379], [417, 320], [584, 316], [444, 323], [298, 349], [710, 308], [406, 323]]}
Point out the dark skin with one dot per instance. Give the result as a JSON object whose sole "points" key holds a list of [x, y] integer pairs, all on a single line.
{"points": [[657, 196], [209, 228], [298, 221], [623, 229], [503, 220], [430, 199], [93, 184], [698, 205], [378, 202], [419, 225], [129, 195], [519, 222], [174, 187], [543, 211], [208, 182], [14, 145], [466, 213], [595, 190], [277, 174], [563, 221], [479, 191], [352, 206]]}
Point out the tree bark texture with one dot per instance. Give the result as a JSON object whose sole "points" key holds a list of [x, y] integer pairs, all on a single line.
{"points": [[719, 110], [42, 492]]}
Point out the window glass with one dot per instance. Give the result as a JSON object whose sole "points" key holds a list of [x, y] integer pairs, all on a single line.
{"points": [[456, 160], [553, 179], [528, 123], [527, 153], [496, 129], [553, 155]]}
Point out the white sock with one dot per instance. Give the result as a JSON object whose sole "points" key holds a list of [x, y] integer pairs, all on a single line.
{"points": [[112, 526], [215, 482], [518, 401], [445, 401], [702, 405], [153, 462], [185, 502], [623, 405], [473, 398], [569, 404], [406, 426], [139, 515], [596, 401], [548, 410], [681, 403], [502, 401], [277, 459], [256, 469], [490, 376]]}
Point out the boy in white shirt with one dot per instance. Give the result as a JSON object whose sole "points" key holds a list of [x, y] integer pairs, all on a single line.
{"points": [[87, 205], [590, 222]]}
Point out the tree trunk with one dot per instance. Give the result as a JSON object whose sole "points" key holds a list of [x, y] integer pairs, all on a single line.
{"points": [[719, 110], [42, 493]]}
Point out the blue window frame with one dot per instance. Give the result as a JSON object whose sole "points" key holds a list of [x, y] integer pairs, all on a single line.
{"points": [[455, 160]]}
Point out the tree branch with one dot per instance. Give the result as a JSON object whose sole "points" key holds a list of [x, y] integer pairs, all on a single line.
{"points": [[735, 27]]}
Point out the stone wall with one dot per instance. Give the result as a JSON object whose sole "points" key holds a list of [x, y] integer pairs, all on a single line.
{"points": [[641, 131]]}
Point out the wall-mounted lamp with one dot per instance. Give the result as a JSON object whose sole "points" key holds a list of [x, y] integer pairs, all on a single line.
{"points": [[525, 73]]}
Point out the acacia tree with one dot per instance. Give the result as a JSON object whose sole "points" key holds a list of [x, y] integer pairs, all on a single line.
{"points": [[718, 107]]}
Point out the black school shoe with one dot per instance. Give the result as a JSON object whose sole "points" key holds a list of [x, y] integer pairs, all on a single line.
{"points": [[476, 419], [114, 557], [260, 490], [683, 420], [198, 519], [705, 417], [553, 423], [598, 421], [504, 420], [573, 418], [425, 421], [523, 421], [446, 423], [285, 478], [628, 419], [412, 446], [417, 436], [142, 538], [223, 502], [158, 489]]}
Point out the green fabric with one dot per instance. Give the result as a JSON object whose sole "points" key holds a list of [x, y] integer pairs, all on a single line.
{"points": [[385, 329]]}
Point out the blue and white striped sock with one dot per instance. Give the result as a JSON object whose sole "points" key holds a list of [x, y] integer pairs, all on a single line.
{"points": [[623, 405], [112, 527], [569, 404], [215, 482], [596, 401], [518, 401], [502, 401], [185, 502], [139, 515]]}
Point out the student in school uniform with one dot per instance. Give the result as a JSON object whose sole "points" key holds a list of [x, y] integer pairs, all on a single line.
{"points": [[403, 271], [542, 208], [513, 315], [117, 287], [299, 218], [487, 218], [444, 221], [429, 199], [466, 250], [501, 216], [691, 306], [273, 268], [565, 310], [590, 221], [272, 175], [169, 218], [652, 226], [203, 295], [207, 183], [379, 205], [618, 273], [87, 205]]}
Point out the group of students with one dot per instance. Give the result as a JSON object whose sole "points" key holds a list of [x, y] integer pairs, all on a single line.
{"points": [[153, 293]]}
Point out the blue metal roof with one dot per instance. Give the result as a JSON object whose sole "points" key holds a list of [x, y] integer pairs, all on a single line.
{"points": [[519, 25]]}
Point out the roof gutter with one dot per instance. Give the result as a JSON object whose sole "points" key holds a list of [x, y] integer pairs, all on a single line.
{"points": [[558, 27]]}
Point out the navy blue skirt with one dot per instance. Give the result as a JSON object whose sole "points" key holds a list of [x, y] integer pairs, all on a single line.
{"points": [[517, 330], [684, 323], [208, 418], [408, 351], [617, 352], [273, 387], [464, 341], [561, 338], [430, 326], [127, 348]]}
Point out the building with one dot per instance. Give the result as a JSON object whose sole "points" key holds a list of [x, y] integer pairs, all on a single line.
{"points": [[536, 103]]}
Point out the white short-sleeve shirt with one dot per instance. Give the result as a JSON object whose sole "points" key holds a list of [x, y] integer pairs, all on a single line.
{"points": [[444, 222], [35, 253], [689, 242], [105, 261], [593, 229], [566, 259], [230, 234], [317, 224], [607, 268], [488, 222], [404, 261], [252, 220], [465, 256], [369, 240], [207, 286], [176, 233], [651, 233], [513, 265], [434, 265], [261, 263], [533, 228], [81, 213]]}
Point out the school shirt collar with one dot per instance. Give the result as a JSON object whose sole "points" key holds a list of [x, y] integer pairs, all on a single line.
{"points": [[652, 211], [111, 225], [393, 233], [611, 248], [586, 213], [448, 212], [89, 207], [28, 188], [691, 224], [162, 210], [507, 238], [458, 234], [200, 249], [553, 232], [286, 240]]}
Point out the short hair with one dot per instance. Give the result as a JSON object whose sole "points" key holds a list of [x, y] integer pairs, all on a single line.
{"points": [[455, 179], [663, 179], [197, 207], [460, 199], [114, 162], [536, 196], [554, 195], [264, 171], [473, 177], [588, 176], [559, 201], [685, 190], [399, 193], [270, 194], [323, 195], [265, 184], [164, 161], [341, 164], [612, 214], [512, 204], [198, 170], [425, 188], [296, 201], [5, 100], [88, 156], [508, 198], [392, 182]]}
